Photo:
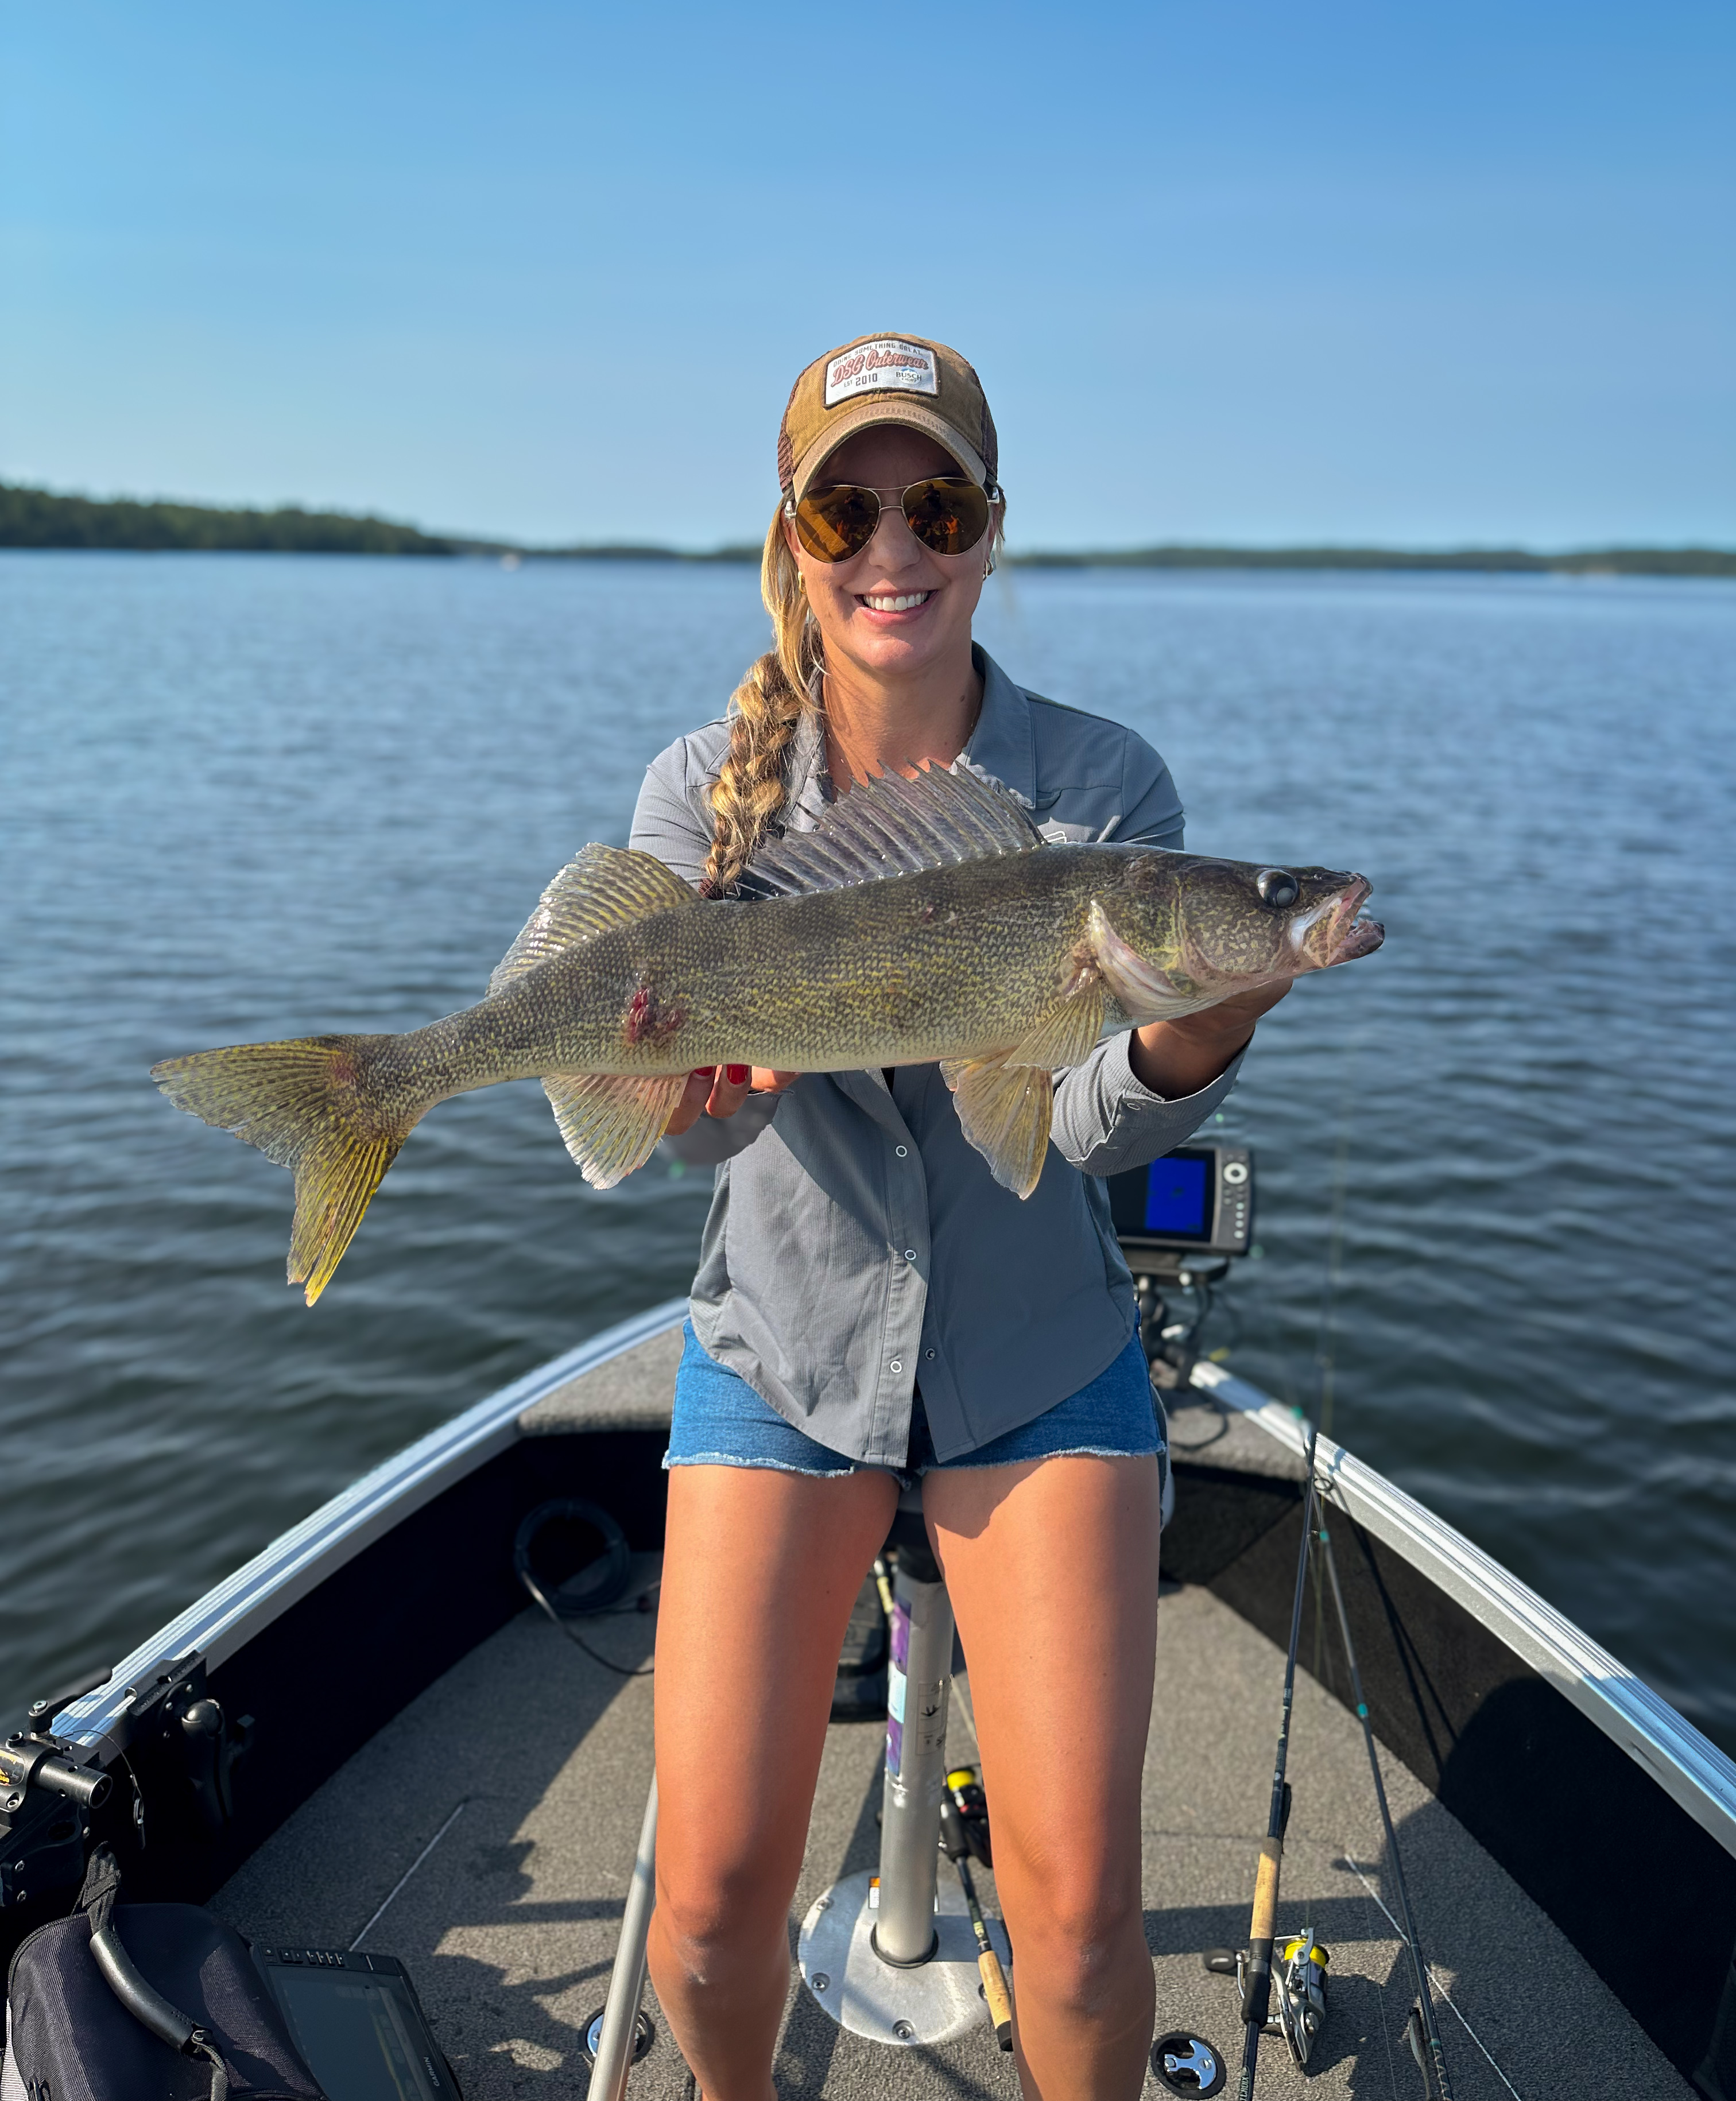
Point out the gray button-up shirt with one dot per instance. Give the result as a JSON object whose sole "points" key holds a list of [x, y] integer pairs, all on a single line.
{"points": [[857, 1244]]}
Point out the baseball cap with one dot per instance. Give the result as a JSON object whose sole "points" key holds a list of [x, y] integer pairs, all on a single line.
{"points": [[886, 379]]}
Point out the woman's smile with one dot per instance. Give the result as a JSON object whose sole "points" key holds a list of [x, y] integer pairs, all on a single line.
{"points": [[890, 602]]}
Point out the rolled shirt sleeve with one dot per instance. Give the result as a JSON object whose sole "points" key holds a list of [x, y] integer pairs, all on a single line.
{"points": [[1106, 1119]]}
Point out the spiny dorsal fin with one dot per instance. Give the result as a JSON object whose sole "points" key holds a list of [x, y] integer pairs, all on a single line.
{"points": [[611, 1121], [601, 888], [888, 826]]}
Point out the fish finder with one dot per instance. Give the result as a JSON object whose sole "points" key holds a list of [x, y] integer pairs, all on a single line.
{"points": [[357, 2021], [1197, 1199]]}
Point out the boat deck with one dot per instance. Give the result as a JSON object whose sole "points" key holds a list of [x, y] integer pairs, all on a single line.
{"points": [[486, 1836]]}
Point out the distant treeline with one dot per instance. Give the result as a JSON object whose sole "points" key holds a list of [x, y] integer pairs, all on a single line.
{"points": [[1577, 562], [37, 518], [34, 517]]}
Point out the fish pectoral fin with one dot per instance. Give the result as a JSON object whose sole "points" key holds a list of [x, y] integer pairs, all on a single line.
{"points": [[601, 888], [1003, 1110], [611, 1121], [1068, 1033]]}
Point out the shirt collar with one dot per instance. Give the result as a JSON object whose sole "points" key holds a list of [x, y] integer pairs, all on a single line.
{"points": [[1003, 745]]}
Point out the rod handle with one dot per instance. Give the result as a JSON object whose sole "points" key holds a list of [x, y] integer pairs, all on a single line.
{"points": [[1265, 1891], [995, 1992]]}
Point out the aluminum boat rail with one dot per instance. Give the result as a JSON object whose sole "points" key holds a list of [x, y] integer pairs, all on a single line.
{"points": [[1690, 1769]]}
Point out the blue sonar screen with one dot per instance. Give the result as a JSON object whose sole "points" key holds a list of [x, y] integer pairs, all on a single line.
{"points": [[1177, 1200]]}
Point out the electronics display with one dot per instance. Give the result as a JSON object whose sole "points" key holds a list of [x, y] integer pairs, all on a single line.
{"points": [[1199, 1198], [357, 2021]]}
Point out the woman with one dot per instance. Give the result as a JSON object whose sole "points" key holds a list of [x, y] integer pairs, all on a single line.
{"points": [[870, 1303]]}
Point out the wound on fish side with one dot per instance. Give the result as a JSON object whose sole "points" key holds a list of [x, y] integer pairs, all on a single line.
{"points": [[647, 1019]]}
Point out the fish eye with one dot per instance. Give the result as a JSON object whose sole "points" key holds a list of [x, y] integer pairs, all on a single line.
{"points": [[1278, 887]]}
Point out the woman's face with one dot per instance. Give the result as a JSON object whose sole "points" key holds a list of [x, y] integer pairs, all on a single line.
{"points": [[895, 610]]}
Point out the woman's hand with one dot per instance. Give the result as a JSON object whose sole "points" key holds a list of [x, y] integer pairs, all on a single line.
{"points": [[720, 1091], [1178, 1058]]}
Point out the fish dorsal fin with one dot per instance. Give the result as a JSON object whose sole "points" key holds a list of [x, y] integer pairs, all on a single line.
{"points": [[601, 888], [888, 825]]}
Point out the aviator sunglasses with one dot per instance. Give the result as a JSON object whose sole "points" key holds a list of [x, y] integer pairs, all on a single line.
{"points": [[948, 516]]}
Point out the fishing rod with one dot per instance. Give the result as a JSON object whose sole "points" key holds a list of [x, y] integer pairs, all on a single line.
{"points": [[962, 1786], [1422, 2014], [1421, 2024], [1256, 1993]]}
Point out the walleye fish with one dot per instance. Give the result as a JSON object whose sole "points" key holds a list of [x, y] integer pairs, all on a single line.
{"points": [[921, 920]]}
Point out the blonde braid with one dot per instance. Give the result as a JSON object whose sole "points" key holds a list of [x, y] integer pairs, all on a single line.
{"points": [[764, 710]]}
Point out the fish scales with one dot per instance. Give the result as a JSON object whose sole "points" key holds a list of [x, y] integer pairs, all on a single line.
{"points": [[951, 962]]}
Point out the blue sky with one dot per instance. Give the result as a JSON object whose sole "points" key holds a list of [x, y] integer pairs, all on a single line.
{"points": [[1240, 270]]}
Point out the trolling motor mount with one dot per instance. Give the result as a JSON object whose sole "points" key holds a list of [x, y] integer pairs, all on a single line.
{"points": [[45, 1801]]}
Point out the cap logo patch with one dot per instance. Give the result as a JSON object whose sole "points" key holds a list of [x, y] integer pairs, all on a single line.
{"points": [[874, 367]]}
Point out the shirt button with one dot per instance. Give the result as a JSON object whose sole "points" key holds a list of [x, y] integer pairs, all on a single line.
{"points": [[929, 1354], [896, 1366], [909, 1254], [902, 1151]]}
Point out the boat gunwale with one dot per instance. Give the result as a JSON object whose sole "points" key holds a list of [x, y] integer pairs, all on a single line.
{"points": [[1685, 1763], [1677, 1756], [283, 1573]]}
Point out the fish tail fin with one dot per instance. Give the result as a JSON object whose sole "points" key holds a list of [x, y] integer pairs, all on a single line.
{"points": [[309, 1105]]}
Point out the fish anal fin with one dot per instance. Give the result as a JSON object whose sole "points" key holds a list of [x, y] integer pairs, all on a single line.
{"points": [[612, 1121], [601, 888], [1003, 1110], [1068, 1033]]}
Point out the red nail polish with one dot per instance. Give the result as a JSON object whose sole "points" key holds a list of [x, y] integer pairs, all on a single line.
{"points": [[703, 1072], [737, 1075]]}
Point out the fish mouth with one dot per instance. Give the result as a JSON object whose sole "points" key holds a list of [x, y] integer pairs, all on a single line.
{"points": [[1348, 933], [1333, 930]]}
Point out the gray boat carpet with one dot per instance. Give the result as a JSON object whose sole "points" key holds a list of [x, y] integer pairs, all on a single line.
{"points": [[529, 1763]]}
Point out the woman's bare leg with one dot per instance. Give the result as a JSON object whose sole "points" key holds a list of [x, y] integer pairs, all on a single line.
{"points": [[761, 1570], [1052, 1570]]}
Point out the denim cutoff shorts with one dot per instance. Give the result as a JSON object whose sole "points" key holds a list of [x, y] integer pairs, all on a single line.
{"points": [[720, 1421]]}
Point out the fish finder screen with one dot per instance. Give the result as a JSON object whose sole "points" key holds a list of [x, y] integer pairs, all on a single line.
{"points": [[360, 2035], [1178, 1196]]}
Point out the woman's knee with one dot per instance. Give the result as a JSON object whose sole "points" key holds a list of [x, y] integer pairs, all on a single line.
{"points": [[712, 1909], [1076, 1936]]}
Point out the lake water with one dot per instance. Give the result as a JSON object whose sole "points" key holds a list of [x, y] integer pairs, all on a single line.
{"points": [[249, 797]]}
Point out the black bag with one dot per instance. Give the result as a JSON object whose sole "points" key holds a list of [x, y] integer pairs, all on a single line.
{"points": [[70, 2038]]}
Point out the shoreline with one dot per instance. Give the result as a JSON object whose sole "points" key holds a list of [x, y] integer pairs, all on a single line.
{"points": [[38, 518]]}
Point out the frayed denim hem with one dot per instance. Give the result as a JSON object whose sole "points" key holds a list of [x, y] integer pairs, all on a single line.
{"points": [[768, 1465], [966, 1464], [904, 1481]]}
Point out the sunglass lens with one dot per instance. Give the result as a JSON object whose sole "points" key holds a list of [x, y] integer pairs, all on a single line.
{"points": [[835, 523], [949, 517]]}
